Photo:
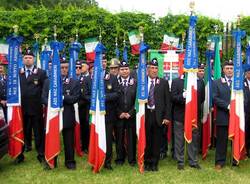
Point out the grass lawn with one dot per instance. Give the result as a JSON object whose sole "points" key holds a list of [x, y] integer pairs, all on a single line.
{"points": [[32, 172]]}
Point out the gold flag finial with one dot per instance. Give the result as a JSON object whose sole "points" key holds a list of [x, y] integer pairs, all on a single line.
{"points": [[192, 6], [238, 20], [55, 34], [15, 27], [100, 35], [141, 30], [77, 35], [216, 28], [36, 36], [116, 42]]}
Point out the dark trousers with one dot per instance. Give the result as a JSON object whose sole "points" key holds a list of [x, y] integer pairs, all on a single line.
{"points": [[179, 144], [221, 145], [84, 125], [34, 122], [164, 140], [153, 138], [68, 141], [247, 134], [109, 125], [129, 126]]}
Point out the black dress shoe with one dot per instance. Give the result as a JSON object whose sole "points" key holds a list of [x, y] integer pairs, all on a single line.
{"points": [[196, 166], [154, 168], [19, 159], [163, 156], [119, 162], [108, 167], [28, 148], [40, 158], [180, 167], [147, 167], [71, 165]]}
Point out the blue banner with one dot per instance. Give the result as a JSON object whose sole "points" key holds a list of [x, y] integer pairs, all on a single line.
{"points": [[98, 80], [247, 65], [238, 70], [20, 60], [55, 77], [13, 93], [74, 50], [45, 57], [142, 87], [191, 56], [125, 53]]}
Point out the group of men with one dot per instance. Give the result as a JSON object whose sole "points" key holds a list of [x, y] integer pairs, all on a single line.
{"points": [[165, 104]]}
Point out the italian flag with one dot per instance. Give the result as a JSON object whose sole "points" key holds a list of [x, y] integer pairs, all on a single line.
{"points": [[237, 124], [134, 39], [77, 132], [52, 136], [140, 131], [90, 45], [4, 49], [191, 105], [206, 119], [97, 144], [170, 42]]}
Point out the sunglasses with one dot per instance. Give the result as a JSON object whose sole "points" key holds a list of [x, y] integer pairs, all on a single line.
{"points": [[78, 67]]}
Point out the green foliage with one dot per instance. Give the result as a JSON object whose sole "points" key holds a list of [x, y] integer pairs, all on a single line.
{"points": [[90, 20]]}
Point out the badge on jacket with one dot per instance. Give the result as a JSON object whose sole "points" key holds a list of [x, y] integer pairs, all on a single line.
{"points": [[36, 81], [109, 86]]}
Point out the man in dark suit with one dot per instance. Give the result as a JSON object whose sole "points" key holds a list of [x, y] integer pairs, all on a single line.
{"points": [[126, 115], [221, 99], [179, 100], [31, 83], [157, 114], [247, 109], [83, 108], [111, 97], [71, 94], [3, 91]]}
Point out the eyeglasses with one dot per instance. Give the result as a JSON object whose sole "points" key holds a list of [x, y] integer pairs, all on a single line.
{"points": [[78, 67]]}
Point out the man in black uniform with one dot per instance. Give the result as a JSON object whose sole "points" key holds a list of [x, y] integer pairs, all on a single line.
{"points": [[83, 108], [179, 100], [157, 113], [3, 92], [31, 83], [71, 94], [111, 97], [221, 99], [247, 109], [127, 116]]}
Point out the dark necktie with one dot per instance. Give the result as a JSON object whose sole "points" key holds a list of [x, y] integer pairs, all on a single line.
{"points": [[230, 83], [151, 100], [28, 73], [125, 83]]}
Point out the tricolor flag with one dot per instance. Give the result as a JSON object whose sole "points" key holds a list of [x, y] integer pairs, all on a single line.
{"points": [[134, 39], [4, 47], [170, 43], [90, 45], [15, 121], [54, 109], [73, 53], [141, 99], [237, 117], [97, 145], [191, 66], [206, 119]]}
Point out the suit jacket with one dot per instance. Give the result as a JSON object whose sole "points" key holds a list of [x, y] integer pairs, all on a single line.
{"points": [[31, 91], [246, 99], [162, 100], [111, 94], [179, 102], [126, 100], [221, 99], [71, 94]]}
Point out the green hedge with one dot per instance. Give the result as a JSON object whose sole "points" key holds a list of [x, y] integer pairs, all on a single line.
{"points": [[89, 21]]}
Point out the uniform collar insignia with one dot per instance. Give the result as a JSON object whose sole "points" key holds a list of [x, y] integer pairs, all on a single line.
{"points": [[157, 81]]}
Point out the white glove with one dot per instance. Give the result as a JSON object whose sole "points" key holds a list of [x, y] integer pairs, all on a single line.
{"points": [[184, 94]]}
